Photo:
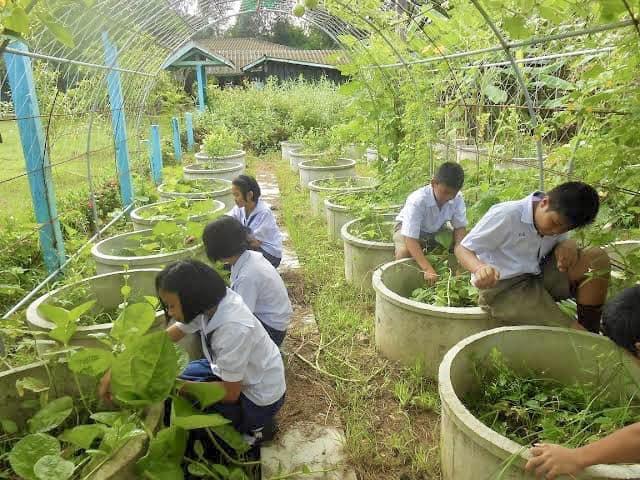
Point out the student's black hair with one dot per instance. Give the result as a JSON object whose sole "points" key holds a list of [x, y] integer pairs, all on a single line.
{"points": [[224, 238], [621, 319], [450, 174], [246, 184], [577, 202], [198, 286]]}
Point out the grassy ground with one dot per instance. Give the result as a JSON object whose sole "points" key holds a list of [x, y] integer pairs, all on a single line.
{"points": [[389, 413]]}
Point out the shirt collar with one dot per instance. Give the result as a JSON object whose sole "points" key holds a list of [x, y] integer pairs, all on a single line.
{"points": [[527, 211], [219, 315], [431, 198], [241, 262]]}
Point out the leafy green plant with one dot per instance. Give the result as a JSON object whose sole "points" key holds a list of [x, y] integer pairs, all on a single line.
{"points": [[374, 229], [164, 237], [529, 407], [181, 185], [221, 141], [180, 210]]}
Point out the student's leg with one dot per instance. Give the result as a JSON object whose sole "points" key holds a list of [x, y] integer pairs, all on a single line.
{"points": [[590, 276], [198, 371], [258, 422]]}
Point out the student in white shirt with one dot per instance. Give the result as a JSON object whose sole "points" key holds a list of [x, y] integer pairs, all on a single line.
{"points": [[252, 276], [426, 212], [239, 355], [523, 262], [255, 214]]}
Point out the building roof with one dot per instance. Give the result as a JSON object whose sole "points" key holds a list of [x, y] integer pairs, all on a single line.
{"points": [[190, 55], [248, 52]]}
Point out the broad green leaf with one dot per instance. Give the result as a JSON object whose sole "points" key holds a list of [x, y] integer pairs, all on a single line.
{"points": [[80, 310], [18, 21], [119, 434], [549, 12], [9, 426], [109, 418], [183, 415], [163, 460], [133, 322], [207, 393], [83, 436], [195, 230], [51, 416], [444, 238], [153, 301], [556, 82], [516, 26], [31, 384], [91, 361], [198, 448], [146, 371], [238, 474], [53, 467], [164, 228], [64, 331], [57, 315], [495, 94], [232, 438], [26, 453], [198, 470], [62, 34]]}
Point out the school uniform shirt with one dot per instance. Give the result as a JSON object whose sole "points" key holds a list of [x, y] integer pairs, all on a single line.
{"points": [[262, 224], [506, 238], [421, 216], [239, 349], [262, 289]]}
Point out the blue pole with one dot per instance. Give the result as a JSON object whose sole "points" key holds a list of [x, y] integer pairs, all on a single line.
{"points": [[36, 156], [118, 121], [177, 147], [188, 117], [156, 155], [201, 75]]}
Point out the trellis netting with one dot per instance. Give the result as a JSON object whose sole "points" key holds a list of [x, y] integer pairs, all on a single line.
{"points": [[544, 86]]}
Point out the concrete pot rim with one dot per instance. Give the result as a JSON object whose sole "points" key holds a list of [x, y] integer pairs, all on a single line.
{"points": [[237, 154], [289, 143], [459, 313], [200, 195], [228, 167], [471, 148], [143, 259], [365, 244], [335, 207], [136, 218], [34, 318], [373, 183], [341, 164], [489, 439], [309, 156]]}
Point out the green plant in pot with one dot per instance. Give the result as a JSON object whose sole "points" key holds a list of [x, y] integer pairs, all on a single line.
{"points": [[221, 142], [165, 237], [180, 210], [180, 185]]}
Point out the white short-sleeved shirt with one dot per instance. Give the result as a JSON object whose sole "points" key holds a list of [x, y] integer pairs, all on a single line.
{"points": [[421, 215], [507, 239], [263, 226], [239, 349], [262, 289]]}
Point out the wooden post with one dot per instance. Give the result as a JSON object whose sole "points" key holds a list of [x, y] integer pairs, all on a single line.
{"points": [[118, 121], [156, 155], [188, 117], [177, 146], [201, 75], [36, 155]]}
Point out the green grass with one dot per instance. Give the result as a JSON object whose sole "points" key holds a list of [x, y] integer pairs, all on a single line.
{"points": [[386, 437]]}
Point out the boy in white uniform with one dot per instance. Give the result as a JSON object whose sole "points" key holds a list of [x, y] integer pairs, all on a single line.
{"points": [[425, 213], [252, 276], [522, 260], [256, 215]]}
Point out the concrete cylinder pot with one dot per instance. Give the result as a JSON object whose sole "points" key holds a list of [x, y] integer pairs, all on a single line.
{"points": [[147, 216], [362, 257], [105, 290], [407, 330], [215, 189], [323, 187], [371, 155], [311, 170], [108, 257], [238, 156], [471, 152], [296, 157], [221, 170], [14, 407], [338, 212], [287, 147], [469, 449]]}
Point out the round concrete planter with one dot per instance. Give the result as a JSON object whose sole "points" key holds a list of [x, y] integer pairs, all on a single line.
{"points": [[471, 152], [617, 250], [12, 407], [296, 157], [371, 155], [407, 330], [238, 156], [107, 258], [221, 170], [313, 170], [215, 189], [287, 147], [355, 152], [105, 290], [363, 257], [337, 214], [140, 222], [470, 450], [318, 191], [518, 163]]}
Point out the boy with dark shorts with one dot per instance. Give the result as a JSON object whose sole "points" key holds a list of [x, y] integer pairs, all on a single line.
{"points": [[523, 261]]}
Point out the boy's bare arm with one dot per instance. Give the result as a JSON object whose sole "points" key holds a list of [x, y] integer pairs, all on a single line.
{"points": [[415, 249], [175, 334], [485, 275], [458, 235]]}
